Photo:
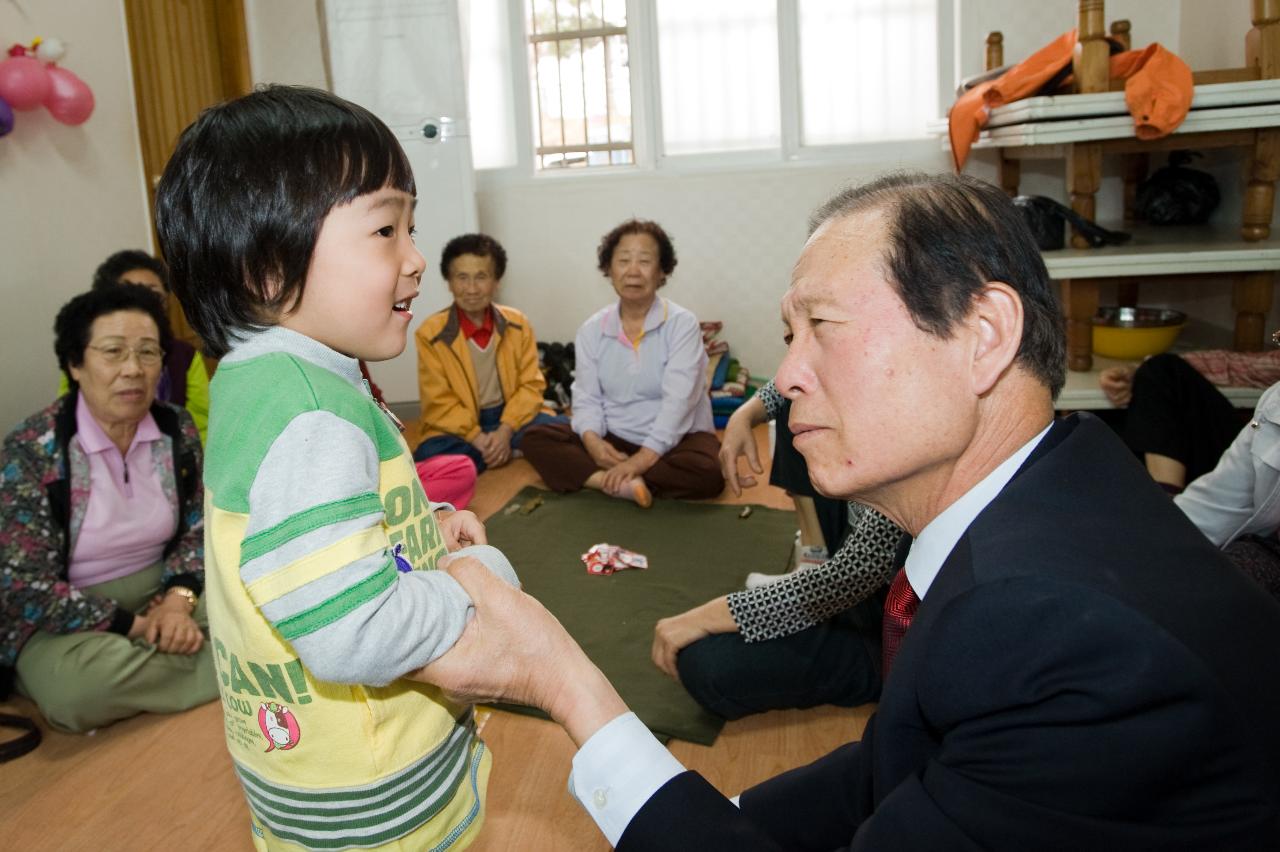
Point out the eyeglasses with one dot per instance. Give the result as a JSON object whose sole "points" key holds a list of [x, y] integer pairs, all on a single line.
{"points": [[149, 354]]}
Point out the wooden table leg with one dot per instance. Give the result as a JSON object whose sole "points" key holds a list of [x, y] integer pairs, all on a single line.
{"points": [[1251, 297], [1084, 176], [1080, 302], [1127, 292], [1010, 175], [1260, 194]]}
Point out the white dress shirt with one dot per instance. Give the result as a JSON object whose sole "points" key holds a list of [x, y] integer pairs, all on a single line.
{"points": [[622, 764]]}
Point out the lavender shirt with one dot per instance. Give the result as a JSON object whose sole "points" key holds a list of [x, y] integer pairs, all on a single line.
{"points": [[127, 522], [653, 393]]}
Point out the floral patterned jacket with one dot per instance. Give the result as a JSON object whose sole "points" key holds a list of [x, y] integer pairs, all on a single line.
{"points": [[44, 485]]}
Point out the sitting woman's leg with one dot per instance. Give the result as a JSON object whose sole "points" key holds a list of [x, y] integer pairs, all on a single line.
{"points": [[836, 662], [690, 469], [557, 454], [85, 680], [1177, 423]]}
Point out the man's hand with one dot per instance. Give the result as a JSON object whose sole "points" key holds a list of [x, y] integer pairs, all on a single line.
{"points": [[1117, 384], [674, 634], [483, 444], [604, 454], [499, 452], [514, 650], [739, 440], [460, 529]]}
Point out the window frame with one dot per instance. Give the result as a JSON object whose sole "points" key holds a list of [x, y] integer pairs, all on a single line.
{"points": [[646, 106]]}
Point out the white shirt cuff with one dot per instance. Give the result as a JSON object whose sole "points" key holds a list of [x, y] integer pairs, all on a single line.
{"points": [[617, 771]]}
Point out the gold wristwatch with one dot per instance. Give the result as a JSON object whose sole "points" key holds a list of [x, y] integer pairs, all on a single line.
{"points": [[191, 596]]}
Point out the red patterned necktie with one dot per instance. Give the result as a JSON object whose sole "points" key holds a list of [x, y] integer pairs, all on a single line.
{"points": [[899, 608]]}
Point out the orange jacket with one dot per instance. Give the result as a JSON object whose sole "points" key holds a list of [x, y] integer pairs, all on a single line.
{"points": [[1157, 90], [447, 377]]}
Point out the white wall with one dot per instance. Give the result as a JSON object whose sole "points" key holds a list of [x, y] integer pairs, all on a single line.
{"points": [[285, 42], [71, 195]]}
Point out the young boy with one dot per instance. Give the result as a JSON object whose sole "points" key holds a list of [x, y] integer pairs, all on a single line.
{"points": [[287, 219], [478, 372]]}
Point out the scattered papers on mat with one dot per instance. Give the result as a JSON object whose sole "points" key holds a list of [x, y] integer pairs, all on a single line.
{"points": [[606, 558]]}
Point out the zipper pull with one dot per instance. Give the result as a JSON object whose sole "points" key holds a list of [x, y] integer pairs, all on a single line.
{"points": [[395, 421]]}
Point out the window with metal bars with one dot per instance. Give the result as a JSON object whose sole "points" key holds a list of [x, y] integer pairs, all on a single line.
{"points": [[581, 83]]}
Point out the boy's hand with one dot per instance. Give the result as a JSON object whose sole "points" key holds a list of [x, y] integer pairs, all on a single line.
{"points": [[461, 529]]}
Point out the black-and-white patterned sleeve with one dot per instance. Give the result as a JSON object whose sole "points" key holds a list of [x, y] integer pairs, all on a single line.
{"points": [[812, 595], [772, 400]]}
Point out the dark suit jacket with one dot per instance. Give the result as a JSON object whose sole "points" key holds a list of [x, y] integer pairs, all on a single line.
{"points": [[1086, 672]]}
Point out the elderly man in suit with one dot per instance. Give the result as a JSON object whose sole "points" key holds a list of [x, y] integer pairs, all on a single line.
{"points": [[1068, 663]]}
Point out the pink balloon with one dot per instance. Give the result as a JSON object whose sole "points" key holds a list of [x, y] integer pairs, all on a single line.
{"points": [[24, 82], [69, 99]]}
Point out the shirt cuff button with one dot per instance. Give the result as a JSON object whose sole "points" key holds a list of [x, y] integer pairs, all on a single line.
{"points": [[600, 797]]}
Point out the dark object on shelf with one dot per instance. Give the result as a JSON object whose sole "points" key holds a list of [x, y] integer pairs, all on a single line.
{"points": [[1177, 195], [1048, 220]]}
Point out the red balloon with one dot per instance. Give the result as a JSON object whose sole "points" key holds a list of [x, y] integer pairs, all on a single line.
{"points": [[24, 82], [69, 99]]}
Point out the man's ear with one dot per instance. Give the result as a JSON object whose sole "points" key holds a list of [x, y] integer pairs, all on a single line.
{"points": [[996, 318]]}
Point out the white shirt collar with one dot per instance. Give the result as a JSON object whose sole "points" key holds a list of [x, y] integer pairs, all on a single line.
{"points": [[936, 541]]}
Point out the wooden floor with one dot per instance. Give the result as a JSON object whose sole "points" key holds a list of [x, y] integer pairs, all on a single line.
{"points": [[165, 782]]}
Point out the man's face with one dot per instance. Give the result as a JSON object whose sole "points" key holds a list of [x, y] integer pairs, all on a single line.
{"points": [[876, 403], [472, 282]]}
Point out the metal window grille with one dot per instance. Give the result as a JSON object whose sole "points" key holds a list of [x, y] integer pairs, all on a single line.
{"points": [[581, 83]]}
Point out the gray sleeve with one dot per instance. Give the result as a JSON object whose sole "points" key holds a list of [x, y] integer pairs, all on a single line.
{"points": [[317, 563], [804, 598]]}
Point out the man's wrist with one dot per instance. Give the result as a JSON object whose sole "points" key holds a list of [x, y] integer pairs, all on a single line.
{"points": [[587, 704]]}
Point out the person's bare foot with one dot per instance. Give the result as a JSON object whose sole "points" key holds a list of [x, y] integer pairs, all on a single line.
{"points": [[636, 491]]}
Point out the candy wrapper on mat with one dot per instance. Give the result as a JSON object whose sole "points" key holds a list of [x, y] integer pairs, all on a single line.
{"points": [[606, 558]]}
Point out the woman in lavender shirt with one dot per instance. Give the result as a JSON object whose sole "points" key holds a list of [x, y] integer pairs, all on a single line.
{"points": [[641, 415]]}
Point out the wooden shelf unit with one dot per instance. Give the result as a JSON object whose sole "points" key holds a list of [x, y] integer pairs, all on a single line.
{"points": [[1237, 107]]}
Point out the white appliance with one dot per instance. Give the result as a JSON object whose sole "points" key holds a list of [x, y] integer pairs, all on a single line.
{"points": [[402, 60]]}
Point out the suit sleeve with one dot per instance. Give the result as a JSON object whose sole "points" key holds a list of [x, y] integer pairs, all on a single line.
{"points": [[1029, 744], [1065, 733]]}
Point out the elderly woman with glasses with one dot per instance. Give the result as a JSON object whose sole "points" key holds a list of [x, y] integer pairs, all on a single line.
{"points": [[183, 379], [101, 552]]}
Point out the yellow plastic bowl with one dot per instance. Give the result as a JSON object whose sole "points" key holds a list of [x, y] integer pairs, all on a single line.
{"points": [[1130, 334]]}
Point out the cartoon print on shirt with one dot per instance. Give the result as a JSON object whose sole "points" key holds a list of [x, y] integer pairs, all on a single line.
{"points": [[279, 726]]}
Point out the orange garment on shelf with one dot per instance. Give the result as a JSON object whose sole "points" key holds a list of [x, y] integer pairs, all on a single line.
{"points": [[1157, 90]]}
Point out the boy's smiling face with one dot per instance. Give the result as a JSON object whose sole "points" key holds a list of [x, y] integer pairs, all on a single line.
{"points": [[364, 272]]}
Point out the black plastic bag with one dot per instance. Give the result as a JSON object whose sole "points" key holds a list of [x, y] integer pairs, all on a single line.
{"points": [[1048, 220], [557, 362], [1177, 195]]}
